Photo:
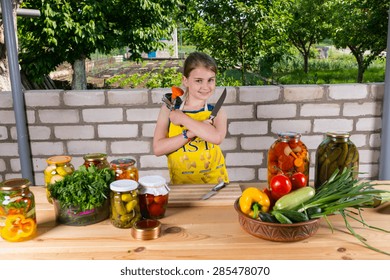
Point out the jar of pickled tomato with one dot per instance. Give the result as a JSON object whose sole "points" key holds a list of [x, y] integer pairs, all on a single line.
{"points": [[153, 196], [125, 209], [125, 168], [97, 159], [336, 151], [17, 210], [57, 168], [288, 155]]}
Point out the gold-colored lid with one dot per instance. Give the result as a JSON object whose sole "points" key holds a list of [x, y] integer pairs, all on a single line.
{"points": [[58, 159], [13, 184], [146, 229]]}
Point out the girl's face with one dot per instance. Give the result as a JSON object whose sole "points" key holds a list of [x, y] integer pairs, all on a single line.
{"points": [[200, 83]]}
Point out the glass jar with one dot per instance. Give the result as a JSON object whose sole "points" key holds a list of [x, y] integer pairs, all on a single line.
{"points": [[17, 210], [125, 168], [288, 155], [97, 159], [125, 209], [153, 196], [336, 151], [57, 168]]}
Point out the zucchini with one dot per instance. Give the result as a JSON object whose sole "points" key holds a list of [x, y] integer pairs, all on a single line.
{"points": [[294, 198]]}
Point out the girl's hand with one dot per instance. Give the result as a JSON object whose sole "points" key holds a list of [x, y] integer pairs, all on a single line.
{"points": [[176, 117]]}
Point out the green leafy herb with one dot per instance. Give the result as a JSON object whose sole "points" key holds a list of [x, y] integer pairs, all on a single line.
{"points": [[86, 188]]}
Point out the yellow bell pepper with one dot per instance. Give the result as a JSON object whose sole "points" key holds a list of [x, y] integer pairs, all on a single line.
{"points": [[252, 196]]}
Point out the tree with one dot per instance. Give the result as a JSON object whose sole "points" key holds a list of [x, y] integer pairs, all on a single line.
{"points": [[309, 25], [237, 32], [71, 30], [360, 25], [5, 84]]}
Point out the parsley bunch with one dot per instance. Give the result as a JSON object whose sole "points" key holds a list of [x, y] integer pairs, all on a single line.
{"points": [[86, 188]]}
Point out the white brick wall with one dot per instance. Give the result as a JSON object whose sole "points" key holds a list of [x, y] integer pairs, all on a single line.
{"points": [[121, 123]]}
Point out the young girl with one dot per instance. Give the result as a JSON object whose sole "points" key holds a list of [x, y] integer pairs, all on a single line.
{"points": [[185, 135]]}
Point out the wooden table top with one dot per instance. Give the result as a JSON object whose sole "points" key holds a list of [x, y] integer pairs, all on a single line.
{"points": [[194, 230]]}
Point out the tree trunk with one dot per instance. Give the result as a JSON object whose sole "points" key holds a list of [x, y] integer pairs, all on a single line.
{"points": [[79, 77], [306, 62], [359, 56]]}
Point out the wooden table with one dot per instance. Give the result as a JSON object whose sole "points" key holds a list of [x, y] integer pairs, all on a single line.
{"points": [[194, 230]]}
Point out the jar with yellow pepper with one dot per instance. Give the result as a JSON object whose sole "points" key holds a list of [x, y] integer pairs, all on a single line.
{"points": [[17, 210], [288, 155]]}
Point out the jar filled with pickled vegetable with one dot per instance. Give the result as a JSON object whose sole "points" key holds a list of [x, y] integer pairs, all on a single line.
{"points": [[336, 151], [17, 210], [125, 168], [153, 196], [125, 208], [97, 159], [57, 168], [288, 155]]}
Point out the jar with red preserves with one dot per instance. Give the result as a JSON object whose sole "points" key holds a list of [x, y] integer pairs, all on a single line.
{"points": [[97, 159], [288, 155], [17, 210], [153, 196], [125, 168]]}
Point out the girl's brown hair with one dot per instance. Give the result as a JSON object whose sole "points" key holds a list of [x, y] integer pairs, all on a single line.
{"points": [[198, 59]]}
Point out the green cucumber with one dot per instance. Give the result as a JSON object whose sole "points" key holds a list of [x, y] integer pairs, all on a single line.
{"points": [[294, 216], [282, 218], [294, 198], [267, 217]]}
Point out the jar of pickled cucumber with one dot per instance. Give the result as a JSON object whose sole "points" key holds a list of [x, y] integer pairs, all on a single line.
{"points": [[125, 209], [288, 155], [17, 210], [336, 151], [97, 159], [57, 168], [125, 168], [153, 196]]}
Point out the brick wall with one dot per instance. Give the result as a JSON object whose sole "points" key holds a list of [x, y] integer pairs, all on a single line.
{"points": [[121, 123]]}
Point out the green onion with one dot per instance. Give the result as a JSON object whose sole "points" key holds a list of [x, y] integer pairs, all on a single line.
{"points": [[341, 192]]}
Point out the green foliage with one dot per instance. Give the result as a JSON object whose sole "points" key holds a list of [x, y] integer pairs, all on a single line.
{"points": [[86, 188], [69, 30], [164, 79], [235, 33], [308, 25], [361, 26]]}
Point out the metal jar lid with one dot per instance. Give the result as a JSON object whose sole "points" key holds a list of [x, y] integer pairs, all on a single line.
{"points": [[15, 184], [95, 156], [146, 229], [123, 162]]}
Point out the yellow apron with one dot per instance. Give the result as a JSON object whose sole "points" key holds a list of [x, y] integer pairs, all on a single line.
{"points": [[198, 161]]}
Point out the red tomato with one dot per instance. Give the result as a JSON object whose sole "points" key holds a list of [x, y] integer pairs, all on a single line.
{"points": [[160, 199], [156, 210], [149, 198], [298, 180], [280, 185]]}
